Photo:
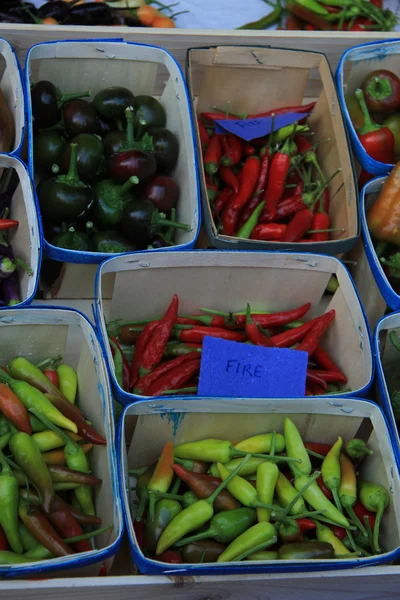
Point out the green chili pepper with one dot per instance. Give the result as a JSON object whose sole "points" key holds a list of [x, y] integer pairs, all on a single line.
{"points": [[284, 132], [357, 449], [316, 498], [28, 540], [330, 471], [249, 540], [28, 457], [225, 526], [249, 469], [263, 555], [295, 447], [33, 398], [375, 498], [4, 439], [324, 534], [305, 550], [9, 505], [267, 476], [165, 510], [192, 517], [247, 228], [68, 382], [286, 493], [36, 424], [262, 443], [11, 558], [266, 21], [76, 459], [312, 5]]}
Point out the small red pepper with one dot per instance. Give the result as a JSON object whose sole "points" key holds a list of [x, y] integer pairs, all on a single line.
{"points": [[325, 361], [320, 222], [230, 218], [285, 209], [144, 384], [306, 524], [155, 348], [269, 232], [377, 140], [304, 108], [303, 144], [199, 332], [175, 378], [280, 165], [313, 377], [139, 528], [299, 225], [318, 447], [277, 319], [294, 336], [170, 556], [253, 332], [222, 199], [229, 178], [213, 155], [323, 488], [256, 197], [140, 345], [249, 178], [311, 341], [339, 532], [331, 376], [233, 150], [52, 375], [203, 134], [66, 525], [7, 224], [362, 512]]}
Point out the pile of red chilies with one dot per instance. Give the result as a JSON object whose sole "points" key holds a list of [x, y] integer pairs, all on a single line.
{"points": [[270, 189], [166, 358]]}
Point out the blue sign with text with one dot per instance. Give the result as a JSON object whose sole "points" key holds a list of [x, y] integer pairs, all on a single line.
{"points": [[250, 129]]}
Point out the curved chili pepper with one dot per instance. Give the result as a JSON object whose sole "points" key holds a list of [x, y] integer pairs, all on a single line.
{"points": [[144, 384], [203, 134], [325, 361], [277, 319], [125, 369], [256, 197], [286, 339], [330, 470], [175, 378], [140, 345], [312, 338], [233, 149], [375, 498], [12, 407], [32, 497], [197, 333], [230, 219], [303, 108], [320, 221], [248, 182], [331, 376], [269, 232], [246, 230], [299, 225], [71, 412], [306, 524], [66, 525], [285, 209], [68, 379], [40, 527], [155, 348], [228, 177], [162, 475], [213, 155], [313, 377], [253, 332], [222, 199], [60, 474], [276, 184]]}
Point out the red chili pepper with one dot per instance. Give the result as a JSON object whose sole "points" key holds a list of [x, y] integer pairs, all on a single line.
{"points": [[3, 540], [126, 371], [230, 218], [331, 376], [233, 150], [313, 377], [318, 447], [293, 336], [309, 392], [276, 184], [222, 199], [305, 108], [303, 143], [306, 524], [249, 178], [253, 332], [377, 3], [203, 134], [285, 209], [362, 512], [7, 224], [323, 487], [13, 409], [299, 225], [269, 232], [229, 177], [320, 221], [340, 532], [311, 341], [175, 378], [155, 348], [185, 321], [249, 149], [310, 27], [66, 525], [52, 375], [213, 155], [41, 528], [377, 140], [143, 385], [170, 556], [277, 319], [139, 528], [325, 362], [258, 190], [140, 345], [292, 23], [198, 333]]}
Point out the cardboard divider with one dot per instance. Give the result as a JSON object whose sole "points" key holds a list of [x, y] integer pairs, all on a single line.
{"points": [[95, 65], [26, 238], [145, 284], [37, 333], [257, 79], [235, 420]]}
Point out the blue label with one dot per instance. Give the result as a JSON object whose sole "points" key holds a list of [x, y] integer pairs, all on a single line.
{"points": [[250, 129], [238, 370]]}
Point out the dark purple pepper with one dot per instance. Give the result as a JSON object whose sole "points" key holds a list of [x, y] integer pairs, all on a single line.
{"points": [[10, 290]]}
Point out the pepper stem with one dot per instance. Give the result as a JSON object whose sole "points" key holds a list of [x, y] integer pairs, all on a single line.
{"points": [[72, 177], [130, 136], [299, 494], [369, 532], [315, 454], [238, 453], [195, 538], [223, 485], [378, 519], [128, 184], [262, 546], [24, 265], [164, 222], [273, 445], [368, 126], [144, 498], [356, 520], [49, 362], [88, 536]]}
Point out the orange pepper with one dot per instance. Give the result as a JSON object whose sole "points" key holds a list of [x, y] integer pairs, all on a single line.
{"points": [[383, 217], [147, 15], [164, 23]]}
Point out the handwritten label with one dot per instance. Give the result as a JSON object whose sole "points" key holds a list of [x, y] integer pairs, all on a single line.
{"points": [[249, 129], [237, 370]]}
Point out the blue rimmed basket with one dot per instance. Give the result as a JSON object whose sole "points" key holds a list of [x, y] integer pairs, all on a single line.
{"points": [[145, 283], [233, 419], [40, 332], [97, 64], [361, 60]]}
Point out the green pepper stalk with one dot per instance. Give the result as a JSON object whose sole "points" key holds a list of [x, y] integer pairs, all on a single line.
{"points": [[33, 398], [295, 447], [162, 476], [265, 22], [308, 481], [225, 526], [222, 451], [76, 459], [142, 492], [192, 517], [109, 201], [375, 498], [68, 382], [165, 510], [187, 499], [330, 471], [357, 449], [262, 443], [348, 490], [259, 536], [29, 458], [9, 505], [250, 468], [315, 497], [285, 494]]}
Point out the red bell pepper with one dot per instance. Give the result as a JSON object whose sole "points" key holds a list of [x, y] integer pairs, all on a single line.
{"points": [[377, 140]]}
